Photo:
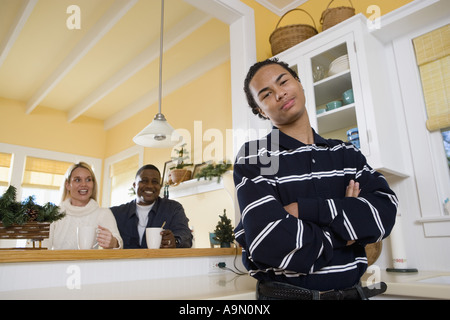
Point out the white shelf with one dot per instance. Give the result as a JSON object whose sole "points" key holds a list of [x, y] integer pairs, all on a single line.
{"points": [[193, 186], [332, 88], [336, 119]]}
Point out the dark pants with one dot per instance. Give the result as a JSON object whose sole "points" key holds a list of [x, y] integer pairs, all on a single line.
{"points": [[282, 291]]}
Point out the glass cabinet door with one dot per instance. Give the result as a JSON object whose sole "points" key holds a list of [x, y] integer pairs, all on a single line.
{"points": [[336, 101], [347, 88]]}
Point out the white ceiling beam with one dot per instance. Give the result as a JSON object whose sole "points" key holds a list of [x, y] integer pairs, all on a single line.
{"points": [[216, 9], [210, 61], [280, 7], [117, 10], [14, 31], [172, 36]]}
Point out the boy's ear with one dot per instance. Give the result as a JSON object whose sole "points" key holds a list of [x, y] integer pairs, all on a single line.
{"points": [[263, 114]]}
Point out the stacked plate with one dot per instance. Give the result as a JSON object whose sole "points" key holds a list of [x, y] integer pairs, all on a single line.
{"points": [[339, 65]]}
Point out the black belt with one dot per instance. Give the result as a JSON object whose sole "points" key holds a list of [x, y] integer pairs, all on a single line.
{"points": [[284, 291]]}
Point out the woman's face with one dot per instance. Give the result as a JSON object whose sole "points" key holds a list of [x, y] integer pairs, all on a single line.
{"points": [[80, 187]]}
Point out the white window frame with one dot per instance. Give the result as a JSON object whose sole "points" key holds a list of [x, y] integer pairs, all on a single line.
{"points": [[107, 181], [20, 154], [427, 150]]}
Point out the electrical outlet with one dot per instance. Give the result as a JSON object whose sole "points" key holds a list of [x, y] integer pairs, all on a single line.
{"points": [[213, 265]]}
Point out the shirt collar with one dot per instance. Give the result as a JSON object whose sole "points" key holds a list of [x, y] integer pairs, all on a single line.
{"points": [[288, 142], [133, 210]]}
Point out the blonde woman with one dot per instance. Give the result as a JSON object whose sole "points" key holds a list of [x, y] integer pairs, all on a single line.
{"points": [[79, 202]]}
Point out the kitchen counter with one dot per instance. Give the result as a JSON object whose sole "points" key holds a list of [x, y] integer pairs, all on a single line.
{"points": [[25, 255], [225, 286], [123, 274], [164, 274], [417, 285]]}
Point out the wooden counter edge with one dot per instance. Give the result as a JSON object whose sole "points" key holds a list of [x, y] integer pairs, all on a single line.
{"points": [[11, 256]]}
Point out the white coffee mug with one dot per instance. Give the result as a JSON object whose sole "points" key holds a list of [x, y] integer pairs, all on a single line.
{"points": [[153, 237], [86, 237]]}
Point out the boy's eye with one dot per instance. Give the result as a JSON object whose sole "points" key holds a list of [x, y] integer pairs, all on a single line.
{"points": [[266, 95]]}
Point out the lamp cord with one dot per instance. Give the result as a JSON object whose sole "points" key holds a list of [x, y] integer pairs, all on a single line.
{"points": [[161, 36]]}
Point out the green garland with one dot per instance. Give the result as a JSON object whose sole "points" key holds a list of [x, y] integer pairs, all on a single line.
{"points": [[213, 170], [13, 212]]}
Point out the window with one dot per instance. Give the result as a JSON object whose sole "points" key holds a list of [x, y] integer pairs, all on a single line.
{"points": [[446, 141], [43, 179], [5, 168], [433, 58], [432, 52], [122, 174]]}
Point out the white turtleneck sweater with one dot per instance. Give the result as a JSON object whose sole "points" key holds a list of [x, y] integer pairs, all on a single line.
{"points": [[63, 233]]}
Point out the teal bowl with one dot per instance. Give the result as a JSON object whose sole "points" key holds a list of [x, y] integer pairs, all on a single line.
{"points": [[347, 97], [334, 105], [321, 110]]}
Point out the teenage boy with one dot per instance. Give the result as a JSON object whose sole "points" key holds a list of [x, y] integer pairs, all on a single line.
{"points": [[308, 205]]}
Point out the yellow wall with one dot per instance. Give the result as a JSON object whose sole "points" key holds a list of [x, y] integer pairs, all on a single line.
{"points": [[266, 21], [207, 99], [203, 210], [48, 129]]}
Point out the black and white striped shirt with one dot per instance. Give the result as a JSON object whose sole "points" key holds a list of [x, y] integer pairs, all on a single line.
{"points": [[309, 251]]}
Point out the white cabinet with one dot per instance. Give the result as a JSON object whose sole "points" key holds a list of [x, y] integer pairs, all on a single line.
{"points": [[371, 112]]}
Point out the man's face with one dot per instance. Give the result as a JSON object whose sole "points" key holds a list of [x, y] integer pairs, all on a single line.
{"points": [[278, 94], [147, 186]]}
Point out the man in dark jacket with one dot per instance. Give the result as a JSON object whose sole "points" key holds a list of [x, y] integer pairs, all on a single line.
{"points": [[149, 210]]}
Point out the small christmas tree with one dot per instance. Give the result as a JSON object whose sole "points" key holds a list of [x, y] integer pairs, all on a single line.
{"points": [[181, 156], [224, 231]]}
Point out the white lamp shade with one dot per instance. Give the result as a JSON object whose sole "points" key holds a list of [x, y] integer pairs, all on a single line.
{"points": [[158, 134]]}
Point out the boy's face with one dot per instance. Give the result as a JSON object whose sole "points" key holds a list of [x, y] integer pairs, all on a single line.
{"points": [[278, 94]]}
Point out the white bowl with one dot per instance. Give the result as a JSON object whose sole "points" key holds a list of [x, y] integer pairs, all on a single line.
{"points": [[339, 65]]}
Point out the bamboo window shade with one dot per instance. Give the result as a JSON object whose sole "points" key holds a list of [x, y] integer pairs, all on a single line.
{"points": [[122, 174], [44, 173], [5, 164], [124, 171], [433, 58]]}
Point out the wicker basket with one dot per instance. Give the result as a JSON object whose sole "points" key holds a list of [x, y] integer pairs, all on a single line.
{"points": [[333, 16], [36, 231], [286, 37], [176, 176]]}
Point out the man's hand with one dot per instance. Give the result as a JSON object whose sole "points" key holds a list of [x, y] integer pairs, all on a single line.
{"points": [[352, 191], [168, 239], [292, 209]]}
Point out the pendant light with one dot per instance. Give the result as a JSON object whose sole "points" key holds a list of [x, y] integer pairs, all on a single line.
{"points": [[159, 133]]}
